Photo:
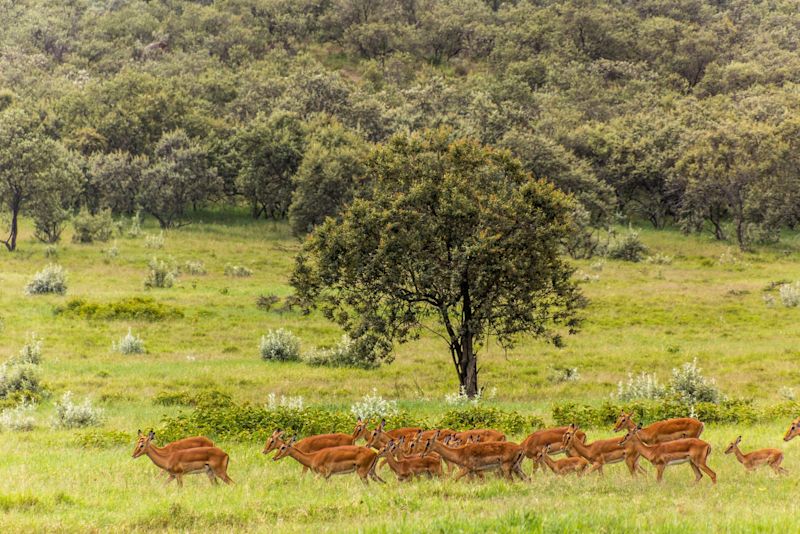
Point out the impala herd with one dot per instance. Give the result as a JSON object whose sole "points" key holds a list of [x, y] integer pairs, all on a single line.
{"points": [[413, 452]]}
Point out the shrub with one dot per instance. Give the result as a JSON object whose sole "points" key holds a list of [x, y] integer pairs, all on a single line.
{"points": [[71, 415], [135, 227], [346, 353], [51, 251], [689, 384], [51, 279], [161, 274], [129, 344], [641, 386], [563, 374], [629, 248], [111, 252], [154, 241], [787, 393], [790, 294], [265, 302], [102, 439], [133, 308], [206, 398], [238, 271], [293, 403], [20, 418], [280, 346], [194, 267], [20, 382], [373, 406], [475, 416], [89, 228], [31, 352], [659, 259]]}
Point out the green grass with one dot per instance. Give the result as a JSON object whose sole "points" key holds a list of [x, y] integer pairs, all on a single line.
{"points": [[641, 317]]}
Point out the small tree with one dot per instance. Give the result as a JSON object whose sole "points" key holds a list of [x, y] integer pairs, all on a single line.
{"points": [[178, 176], [450, 233]]}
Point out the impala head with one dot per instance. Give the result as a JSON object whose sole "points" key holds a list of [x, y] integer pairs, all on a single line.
{"points": [[413, 443], [373, 437], [735, 443], [360, 430], [540, 455], [142, 443], [631, 432], [429, 443], [794, 430], [571, 429], [273, 442], [283, 451], [622, 421]]}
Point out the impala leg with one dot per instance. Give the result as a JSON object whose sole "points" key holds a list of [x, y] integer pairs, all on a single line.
{"points": [[211, 476], [711, 474], [179, 480], [170, 478], [697, 474], [660, 472], [463, 471]]}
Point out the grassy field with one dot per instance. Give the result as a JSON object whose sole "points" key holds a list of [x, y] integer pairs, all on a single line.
{"points": [[707, 303]]}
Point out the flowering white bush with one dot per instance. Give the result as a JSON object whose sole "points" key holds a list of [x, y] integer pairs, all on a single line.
{"points": [[129, 344], [154, 241], [237, 270], [293, 403], [31, 352], [461, 398], [346, 353], [19, 418], [373, 406], [692, 387], [790, 294], [161, 274], [71, 415], [51, 279], [564, 374], [195, 267], [280, 346], [642, 386], [787, 393]]}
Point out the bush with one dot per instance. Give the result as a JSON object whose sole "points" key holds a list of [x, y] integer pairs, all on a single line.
{"points": [[71, 415], [51, 251], [373, 406], [238, 271], [31, 352], [20, 418], [346, 353], [194, 267], [20, 382], [294, 403], [51, 279], [129, 344], [265, 302], [629, 248], [135, 227], [475, 416], [111, 252], [206, 398], [103, 439], [461, 398], [790, 294], [154, 241], [642, 386], [161, 274], [133, 308], [563, 374], [89, 228], [244, 422], [280, 346], [689, 384], [659, 259]]}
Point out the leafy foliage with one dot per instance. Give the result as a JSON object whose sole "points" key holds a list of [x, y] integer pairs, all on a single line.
{"points": [[51, 279], [72, 415], [133, 308], [280, 346]]}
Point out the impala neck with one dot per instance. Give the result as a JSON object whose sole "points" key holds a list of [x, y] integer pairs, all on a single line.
{"points": [[739, 454], [300, 456], [157, 455], [579, 446], [641, 447], [450, 454], [550, 462]]}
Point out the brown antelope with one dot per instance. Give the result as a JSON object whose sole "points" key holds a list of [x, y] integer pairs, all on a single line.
{"points": [[407, 467], [479, 457], [692, 450], [554, 437], [318, 442], [336, 460], [755, 459], [212, 461], [600, 452], [662, 431], [484, 435], [186, 443], [563, 466], [794, 430]]}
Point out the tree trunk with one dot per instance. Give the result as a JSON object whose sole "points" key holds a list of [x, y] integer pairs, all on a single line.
{"points": [[11, 242], [469, 361]]}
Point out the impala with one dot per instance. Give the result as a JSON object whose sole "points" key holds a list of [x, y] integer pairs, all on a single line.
{"points": [[483, 435], [535, 442], [658, 432], [318, 442], [336, 460], [407, 467], [794, 430], [478, 457], [212, 461], [563, 466], [755, 459], [692, 450], [600, 452]]}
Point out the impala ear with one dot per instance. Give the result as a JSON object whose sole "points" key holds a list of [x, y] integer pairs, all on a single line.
{"points": [[639, 426], [383, 424], [140, 432]]}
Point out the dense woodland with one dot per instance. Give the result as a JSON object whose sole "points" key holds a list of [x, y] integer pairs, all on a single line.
{"points": [[682, 112]]}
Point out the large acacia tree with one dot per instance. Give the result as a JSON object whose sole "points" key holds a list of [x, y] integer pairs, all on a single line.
{"points": [[453, 237]]}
